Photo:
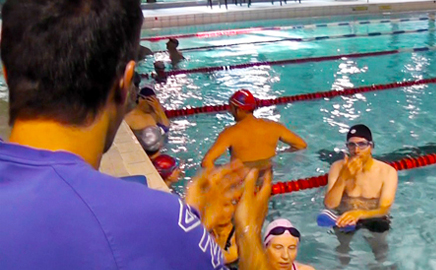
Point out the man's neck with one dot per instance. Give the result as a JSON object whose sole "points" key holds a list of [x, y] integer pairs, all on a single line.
{"points": [[87, 142], [246, 117], [368, 164]]}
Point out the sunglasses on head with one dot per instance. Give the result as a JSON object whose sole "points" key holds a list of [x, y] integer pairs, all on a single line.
{"points": [[281, 230], [361, 145]]}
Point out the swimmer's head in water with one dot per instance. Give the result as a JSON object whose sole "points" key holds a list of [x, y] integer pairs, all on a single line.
{"points": [[360, 131], [172, 42], [244, 100], [165, 165], [151, 139], [159, 65], [281, 240], [146, 91], [359, 140], [279, 227]]}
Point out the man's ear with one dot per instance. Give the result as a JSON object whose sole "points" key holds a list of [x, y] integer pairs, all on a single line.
{"points": [[5, 74], [126, 82]]}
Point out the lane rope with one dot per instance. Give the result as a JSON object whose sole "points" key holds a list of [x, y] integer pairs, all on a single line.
{"points": [[370, 34], [301, 97], [320, 181], [297, 61], [240, 31]]}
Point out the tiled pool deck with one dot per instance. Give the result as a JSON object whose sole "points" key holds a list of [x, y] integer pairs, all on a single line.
{"points": [[199, 15]]}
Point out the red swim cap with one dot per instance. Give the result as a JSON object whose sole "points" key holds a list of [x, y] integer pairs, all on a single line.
{"points": [[165, 165], [244, 100]]}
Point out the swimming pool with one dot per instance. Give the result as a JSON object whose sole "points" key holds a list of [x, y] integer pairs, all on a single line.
{"points": [[403, 120]]}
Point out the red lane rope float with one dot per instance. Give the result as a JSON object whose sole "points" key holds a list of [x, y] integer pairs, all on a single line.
{"points": [[282, 62], [302, 97], [320, 181], [209, 34]]}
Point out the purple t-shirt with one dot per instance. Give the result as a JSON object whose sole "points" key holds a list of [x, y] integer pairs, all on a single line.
{"points": [[57, 212]]}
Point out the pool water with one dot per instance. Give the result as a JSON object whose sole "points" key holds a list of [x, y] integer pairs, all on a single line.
{"points": [[403, 122]]}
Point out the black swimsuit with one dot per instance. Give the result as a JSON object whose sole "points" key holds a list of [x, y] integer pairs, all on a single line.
{"points": [[229, 239]]}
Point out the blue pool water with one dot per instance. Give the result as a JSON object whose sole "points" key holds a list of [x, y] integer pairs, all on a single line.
{"points": [[401, 119]]}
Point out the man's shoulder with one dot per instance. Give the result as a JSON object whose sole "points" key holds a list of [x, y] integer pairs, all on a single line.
{"points": [[337, 164], [385, 168], [93, 186], [304, 267]]}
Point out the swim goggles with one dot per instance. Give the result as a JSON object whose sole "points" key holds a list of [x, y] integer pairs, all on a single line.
{"points": [[281, 230], [361, 145]]}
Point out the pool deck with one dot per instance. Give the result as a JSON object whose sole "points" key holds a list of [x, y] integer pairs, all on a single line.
{"points": [[126, 157], [161, 17]]}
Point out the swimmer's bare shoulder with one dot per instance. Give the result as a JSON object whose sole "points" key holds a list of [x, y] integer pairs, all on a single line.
{"points": [[387, 172], [138, 120], [304, 267]]}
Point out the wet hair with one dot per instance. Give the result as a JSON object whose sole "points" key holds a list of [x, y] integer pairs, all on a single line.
{"points": [[63, 57], [136, 79], [175, 41]]}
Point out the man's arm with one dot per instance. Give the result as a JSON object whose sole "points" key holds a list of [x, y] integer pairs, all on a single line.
{"points": [[249, 217], [221, 144], [387, 198], [340, 172], [335, 186], [290, 138]]}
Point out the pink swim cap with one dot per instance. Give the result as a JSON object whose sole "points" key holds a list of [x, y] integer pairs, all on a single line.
{"points": [[279, 227]]}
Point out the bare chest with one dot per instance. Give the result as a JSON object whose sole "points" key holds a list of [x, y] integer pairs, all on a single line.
{"points": [[367, 185]]}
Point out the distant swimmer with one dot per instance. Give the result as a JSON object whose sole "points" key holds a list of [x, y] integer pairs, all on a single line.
{"points": [[160, 75], [361, 190], [175, 55], [251, 140], [143, 52]]}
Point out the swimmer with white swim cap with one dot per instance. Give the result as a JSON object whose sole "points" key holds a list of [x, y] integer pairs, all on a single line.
{"points": [[281, 240], [151, 140], [251, 140]]}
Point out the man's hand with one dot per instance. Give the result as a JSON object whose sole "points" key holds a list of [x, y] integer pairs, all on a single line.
{"points": [[349, 218], [212, 189], [253, 206], [249, 217], [351, 167]]}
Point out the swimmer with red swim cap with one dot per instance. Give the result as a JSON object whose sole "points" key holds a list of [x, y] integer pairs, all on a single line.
{"points": [[251, 140], [168, 168]]}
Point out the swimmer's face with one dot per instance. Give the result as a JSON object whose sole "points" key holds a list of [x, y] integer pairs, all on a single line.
{"points": [[359, 147], [171, 45], [282, 251], [227, 212]]}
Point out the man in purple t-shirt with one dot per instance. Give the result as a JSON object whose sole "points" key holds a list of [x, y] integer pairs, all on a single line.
{"points": [[69, 67]]}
